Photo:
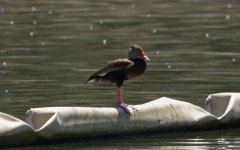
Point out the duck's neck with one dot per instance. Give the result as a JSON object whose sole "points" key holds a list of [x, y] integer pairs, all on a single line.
{"points": [[137, 69]]}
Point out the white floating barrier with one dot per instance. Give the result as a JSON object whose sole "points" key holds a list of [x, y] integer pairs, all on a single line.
{"points": [[56, 123], [224, 106]]}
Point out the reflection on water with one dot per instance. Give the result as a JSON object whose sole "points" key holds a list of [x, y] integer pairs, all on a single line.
{"points": [[221, 139], [48, 49]]}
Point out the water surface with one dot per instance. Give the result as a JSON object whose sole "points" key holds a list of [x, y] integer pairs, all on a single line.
{"points": [[48, 48]]}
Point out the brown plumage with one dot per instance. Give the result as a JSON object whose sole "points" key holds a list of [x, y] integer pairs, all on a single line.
{"points": [[122, 69]]}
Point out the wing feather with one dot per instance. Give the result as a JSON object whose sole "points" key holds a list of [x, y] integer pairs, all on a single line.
{"points": [[117, 64]]}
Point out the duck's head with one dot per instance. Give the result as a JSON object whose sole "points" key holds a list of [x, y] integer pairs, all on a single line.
{"points": [[136, 51]]}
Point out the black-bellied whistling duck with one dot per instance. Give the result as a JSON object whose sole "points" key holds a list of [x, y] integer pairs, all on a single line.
{"points": [[122, 69]]}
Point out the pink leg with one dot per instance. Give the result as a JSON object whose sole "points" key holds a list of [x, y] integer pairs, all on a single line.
{"points": [[120, 100]]}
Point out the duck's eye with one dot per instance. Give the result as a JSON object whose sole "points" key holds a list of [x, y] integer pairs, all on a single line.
{"points": [[138, 50]]}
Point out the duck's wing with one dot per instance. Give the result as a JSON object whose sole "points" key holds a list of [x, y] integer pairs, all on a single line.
{"points": [[117, 64]]}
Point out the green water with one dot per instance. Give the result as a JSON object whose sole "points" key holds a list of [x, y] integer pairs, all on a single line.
{"points": [[48, 48]]}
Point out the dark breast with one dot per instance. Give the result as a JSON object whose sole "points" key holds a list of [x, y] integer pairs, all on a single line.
{"points": [[137, 69], [119, 70]]}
